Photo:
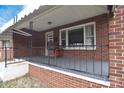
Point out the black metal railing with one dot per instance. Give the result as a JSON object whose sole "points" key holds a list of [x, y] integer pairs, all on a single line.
{"points": [[83, 59]]}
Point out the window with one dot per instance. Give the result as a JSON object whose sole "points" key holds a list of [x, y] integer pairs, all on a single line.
{"points": [[75, 37], [89, 30], [6, 43], [82, 36], [63, 38]]}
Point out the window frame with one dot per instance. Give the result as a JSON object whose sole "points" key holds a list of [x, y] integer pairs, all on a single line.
{"points": [[77, 27]]}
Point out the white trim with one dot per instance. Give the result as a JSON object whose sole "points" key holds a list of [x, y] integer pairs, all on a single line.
{"points": [[76, 27], [14, 30], [102, 82], [79, 48], [95, 33], [66, 38], [84, 36], [19, 33]]}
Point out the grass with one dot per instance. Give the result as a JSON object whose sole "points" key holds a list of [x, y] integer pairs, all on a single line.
{"points": [[22, 82]]}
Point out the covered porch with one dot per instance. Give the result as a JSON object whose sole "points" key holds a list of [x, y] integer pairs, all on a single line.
{"points": [[86, 52]]}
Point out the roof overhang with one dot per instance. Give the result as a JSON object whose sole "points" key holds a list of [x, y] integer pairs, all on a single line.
{"points": [[59, 15], [20, 32]]}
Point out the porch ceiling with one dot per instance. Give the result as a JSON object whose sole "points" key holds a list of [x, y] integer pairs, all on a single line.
{"points": [[63, 15]]}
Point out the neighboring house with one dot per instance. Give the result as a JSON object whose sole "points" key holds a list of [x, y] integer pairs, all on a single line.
{"points": [[5, 41], [72, 46]]}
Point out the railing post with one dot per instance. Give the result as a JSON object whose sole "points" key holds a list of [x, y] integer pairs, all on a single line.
{"points": [[5, 50]]}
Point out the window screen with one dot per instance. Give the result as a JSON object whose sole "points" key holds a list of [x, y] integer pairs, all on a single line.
{"points": [[89, 34]]}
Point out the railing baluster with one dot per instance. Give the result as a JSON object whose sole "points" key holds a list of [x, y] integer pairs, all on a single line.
{"points": [[74, 56], [86, 57], [93, 60], [101, 59], [80, 54]]}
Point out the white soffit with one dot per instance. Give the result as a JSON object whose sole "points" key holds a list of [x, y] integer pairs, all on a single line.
{"points": [[64, 15]]}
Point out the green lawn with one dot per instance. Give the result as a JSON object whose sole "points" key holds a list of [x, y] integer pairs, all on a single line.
{"points": [[22, 82]]}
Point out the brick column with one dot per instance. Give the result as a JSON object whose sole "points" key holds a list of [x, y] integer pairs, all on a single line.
{"points": [[116, 48]]}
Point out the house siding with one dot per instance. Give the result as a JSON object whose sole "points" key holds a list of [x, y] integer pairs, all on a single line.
{"points": [[116, 52]]}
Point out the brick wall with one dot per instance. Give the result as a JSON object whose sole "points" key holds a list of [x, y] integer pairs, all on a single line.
{"points": [[22, 44], [58, 80], [101, 53], [38, 40], [116, 49]]}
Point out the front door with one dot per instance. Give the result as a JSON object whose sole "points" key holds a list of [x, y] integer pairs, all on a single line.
{"points": [[49, 38]]}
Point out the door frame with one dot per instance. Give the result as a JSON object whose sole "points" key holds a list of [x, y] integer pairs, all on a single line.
{"points": [[46, 39]]}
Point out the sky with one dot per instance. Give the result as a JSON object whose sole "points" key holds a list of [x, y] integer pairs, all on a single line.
{"points": [[7, 12]]}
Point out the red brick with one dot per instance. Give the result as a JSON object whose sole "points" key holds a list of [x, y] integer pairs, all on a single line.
{"points": [[56, 79], [120, 43], [118, 57], [120, 65], [116, 65], [112, 50], [114, 26]]}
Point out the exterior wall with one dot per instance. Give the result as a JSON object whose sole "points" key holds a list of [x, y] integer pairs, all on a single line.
{"points": [[116, 49], [101, 53], [23, 49], [55, 79], [21, 45], [38, 41]]}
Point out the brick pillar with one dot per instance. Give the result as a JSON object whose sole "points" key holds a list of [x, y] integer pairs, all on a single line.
{"points": [[116, 48]]}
